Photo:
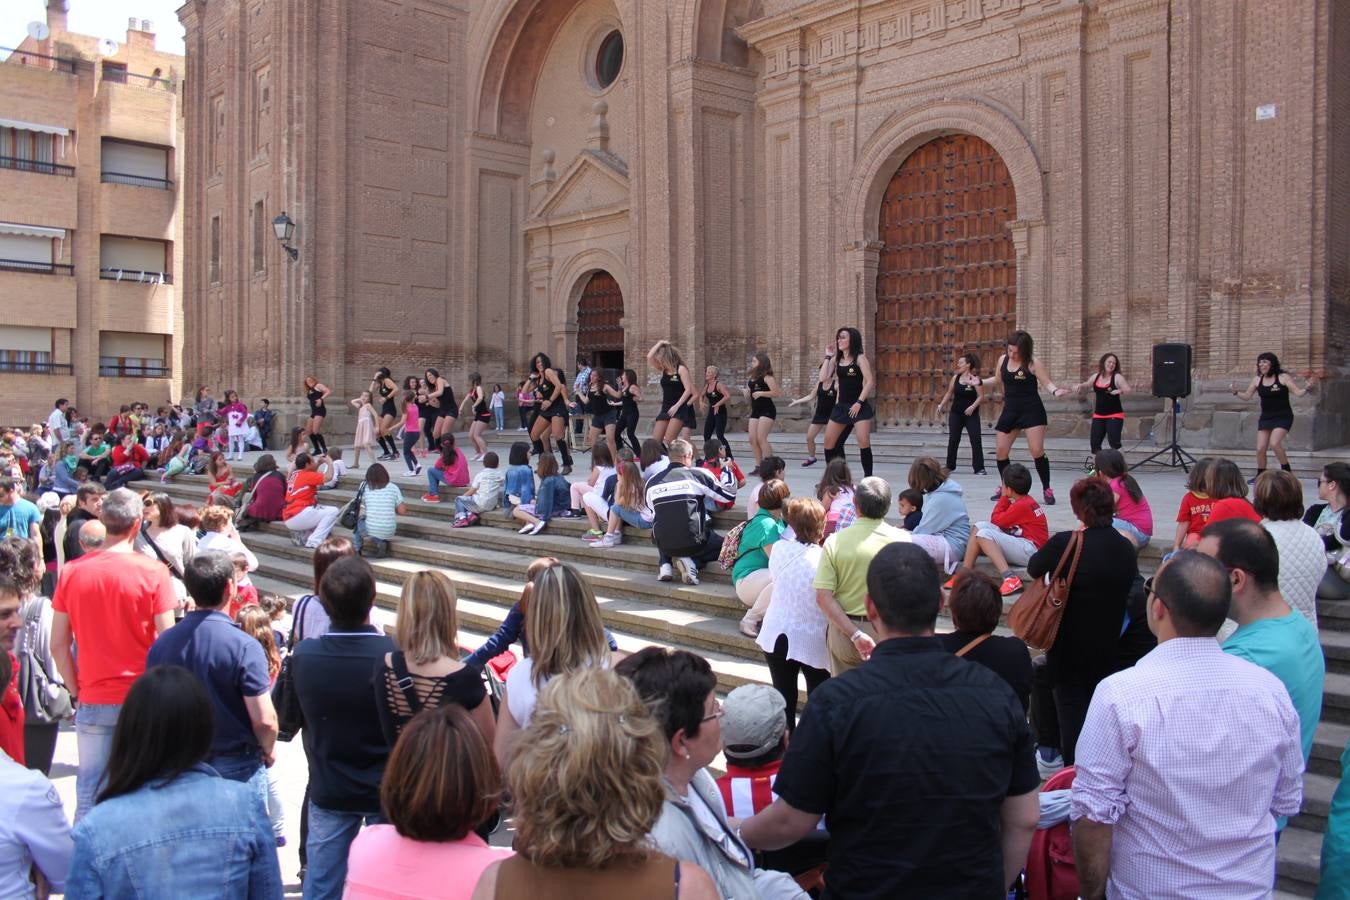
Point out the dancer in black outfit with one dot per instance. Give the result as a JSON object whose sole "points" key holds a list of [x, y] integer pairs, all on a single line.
{"points": [[316, 393], [824, 396], [1108, 416], [1021, 375], [1273, 385], [714, 401], [383, 386], [852, 372], [426, 413], [676, 418], [965, 393], [628, 414], [760, 390], [441, 398], [605, 402], [552, 420], [482, 415]]}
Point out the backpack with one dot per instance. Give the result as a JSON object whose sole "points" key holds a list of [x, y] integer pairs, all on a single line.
{"points": [[731, 546], [45, 699]]}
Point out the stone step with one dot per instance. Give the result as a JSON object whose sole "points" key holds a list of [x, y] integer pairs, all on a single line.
{"points": [[1336, 698], [1329, 743], [1335, 642], [1299, 859], [1317, 792]]}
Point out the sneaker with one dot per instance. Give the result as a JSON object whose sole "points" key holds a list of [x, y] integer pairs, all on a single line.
{"points": [[1048, 496], [1251, 481], [1048, 761], [593, 534], [612, 540], [688, 570], [1011, 585], [566, 470], [752, 473], [417, 471], [666, 573], [748, 628], [537, 527], [996, 494], [431, 498], [525, 529], [980, 472], [809, 461], [950, 582]]}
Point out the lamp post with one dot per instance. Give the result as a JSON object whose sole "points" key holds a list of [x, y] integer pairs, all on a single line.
{"points": [[285, 228]]}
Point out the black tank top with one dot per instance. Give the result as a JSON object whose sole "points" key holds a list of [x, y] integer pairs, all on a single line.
{"points": [[963, 396], [315, 397], [594, 397], [714, 396], [850, 383], [480, 409], [671, 389], [1107, 404], [610, 400], [824, 394], [546, 389], [385, 390], [757, 385], [1018, 384], [1274, 399], [630, 407]]}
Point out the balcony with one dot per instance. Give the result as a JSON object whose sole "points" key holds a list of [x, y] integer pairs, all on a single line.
{"points": [[163, 184], [37, 268], [134, 371], [36, 368], [136, 211], [33, 165], [39, 293], [132, 305], [136, 112], [33, 195], [39, 62], [137, 276]]}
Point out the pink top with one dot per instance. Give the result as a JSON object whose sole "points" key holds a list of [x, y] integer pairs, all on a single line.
{"points": [[383, 865], [411, 417], [1137, 513], [457, 475]]}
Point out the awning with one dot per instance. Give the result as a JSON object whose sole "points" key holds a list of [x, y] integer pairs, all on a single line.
{"points": [[32, 230], [29, 126]]}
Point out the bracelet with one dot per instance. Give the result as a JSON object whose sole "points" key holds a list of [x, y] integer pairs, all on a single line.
{"points": [[857, 633]]}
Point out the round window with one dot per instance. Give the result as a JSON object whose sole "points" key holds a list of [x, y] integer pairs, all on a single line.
{"points": [[609, 59]]}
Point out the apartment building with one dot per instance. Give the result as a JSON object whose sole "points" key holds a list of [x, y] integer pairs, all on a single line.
{"points": [[90, 221]]}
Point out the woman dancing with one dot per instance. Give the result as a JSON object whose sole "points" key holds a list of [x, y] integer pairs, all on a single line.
{"points": [[965, 394], [383, 386], [1023, 410], [628, 414], [1273, 385], [552, 420], [482, 415], [441, 399], [713, 401], [676, 418], [760, 391], [316, 394], [852, 372], [1108, 416], [605, 402], [823, 394]]}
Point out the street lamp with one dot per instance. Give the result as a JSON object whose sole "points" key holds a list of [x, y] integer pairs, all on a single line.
{"points": [[284, 228]]}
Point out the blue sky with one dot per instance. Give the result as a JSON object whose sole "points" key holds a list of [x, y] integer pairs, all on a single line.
{"points": [[101, 18]]}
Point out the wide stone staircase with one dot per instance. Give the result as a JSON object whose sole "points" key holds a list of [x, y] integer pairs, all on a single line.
{"points": [[488, 563]]}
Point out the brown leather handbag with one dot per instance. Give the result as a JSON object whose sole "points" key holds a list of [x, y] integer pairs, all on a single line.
{"points": [[1036, 615]]}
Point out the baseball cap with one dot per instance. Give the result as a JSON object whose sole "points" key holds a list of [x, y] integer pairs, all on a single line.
{"points": [[754, 717]]}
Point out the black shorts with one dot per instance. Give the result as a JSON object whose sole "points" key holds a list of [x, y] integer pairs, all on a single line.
{"points": [[447, 413], [824, 406], [388, 408], [1285, 422], [763, 408], [840, 413], [482, 417], [318, 412], [1017, 416], [554, 410], [685, 415], [603, 420]]}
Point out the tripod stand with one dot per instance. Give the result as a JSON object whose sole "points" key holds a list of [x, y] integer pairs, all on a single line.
{"points": [[1176, 455]]}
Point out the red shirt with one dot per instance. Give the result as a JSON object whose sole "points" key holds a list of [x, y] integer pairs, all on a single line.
{"points": [[302, 491], [112, 599], [11, 717], [1194, 511], [1233, 508], [137, 455], [747, 791], [1024, 513]]}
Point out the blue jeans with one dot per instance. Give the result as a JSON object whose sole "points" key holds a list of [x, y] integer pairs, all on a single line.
{"points": [[708, 554], [409, 441], [94, 724], [499, 413], [629, 516], [435, 478], [360, 537], [1140, 539], [246, 768], [330, 837]]}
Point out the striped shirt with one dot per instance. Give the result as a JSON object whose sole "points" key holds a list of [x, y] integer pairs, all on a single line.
{"points": [[378, 507], [749, 791]]}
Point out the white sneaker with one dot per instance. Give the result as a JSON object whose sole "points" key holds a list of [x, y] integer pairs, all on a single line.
{"points": [[537, 527], [688, 571], [666, 573], [613, 539], [525, 529]]}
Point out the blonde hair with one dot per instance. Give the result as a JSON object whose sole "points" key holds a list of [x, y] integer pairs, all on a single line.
{"points": [[668, 358], [629, 491], [256, 622], [215, 517], [428, 627], [587, 775], [563, 624], [806, 517]]}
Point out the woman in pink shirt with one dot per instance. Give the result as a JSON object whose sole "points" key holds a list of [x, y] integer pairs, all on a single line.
{"points": [[440, 784], [1133, 518]]}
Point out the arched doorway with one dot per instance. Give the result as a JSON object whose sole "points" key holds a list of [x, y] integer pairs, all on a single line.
{"points": [[947, 276], [600, 321]]}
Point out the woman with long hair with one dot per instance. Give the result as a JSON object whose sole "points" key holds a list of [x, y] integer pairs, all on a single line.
{"points": [[605, 402], [713, 401], [631, 394], [165, 824], [164, 537], [1273, 385], [1108, 416], [824, 395], [316, 394], [482, 415], [760, 390], [441, 400], [629, 506], [856, 384], [1133, 518], [551, 424], [382, 385], [676, 418], [1021, 375], [965, 394]]}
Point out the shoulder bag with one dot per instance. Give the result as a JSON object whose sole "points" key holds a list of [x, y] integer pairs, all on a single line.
{"points": [[351, 513], [289, 717], [1036, 615], [45, 699]]}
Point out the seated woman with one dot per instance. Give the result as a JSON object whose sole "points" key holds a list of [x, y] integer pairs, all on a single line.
{"points": [[1133, 518], [1302, 555], [266, 496], [165, 824], [976, 604], [750, 576], [1329, 520], [944, 529], [629, 506], [129, 461], [587, 790], [552, 497], [440, 783]]}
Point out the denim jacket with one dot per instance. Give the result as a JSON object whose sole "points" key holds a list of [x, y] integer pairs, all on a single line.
{"points": [[554, 497], [197, 836]]}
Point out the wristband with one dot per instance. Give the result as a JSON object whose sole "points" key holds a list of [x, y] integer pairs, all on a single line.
{"points": [[857, 633]]}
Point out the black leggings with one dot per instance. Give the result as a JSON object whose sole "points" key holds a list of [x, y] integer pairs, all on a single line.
{"points": [[428, 426], [628, 425], [783, 673], [717, 422], [409, 459], [956, 421], [1106, 428]]}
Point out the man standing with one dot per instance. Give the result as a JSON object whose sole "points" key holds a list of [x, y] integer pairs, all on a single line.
{"points": [[88, 505], [231, 666], [841, 579], [18, 517], [303, 514], [921, 761], [58, 429], [1186, 759], [262, 420], [112, 604], [680, 521], [340, 722]]}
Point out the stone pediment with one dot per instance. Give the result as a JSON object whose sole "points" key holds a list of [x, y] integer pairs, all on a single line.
{"points": [[594, 182]]}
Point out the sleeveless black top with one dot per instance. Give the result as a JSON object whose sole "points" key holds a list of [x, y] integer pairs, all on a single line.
{"points": [[630, 407], [385, 390], [671, 389], [480, 409], [758, 384], [714, 396], [1274, 399], [1018, 384], [546, 389], [964, 395], [825, 394], [315, 397], [850, 383], [1107, 404]]}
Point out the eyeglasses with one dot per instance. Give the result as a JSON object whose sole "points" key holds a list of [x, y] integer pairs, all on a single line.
{"points": [[715, 714]]}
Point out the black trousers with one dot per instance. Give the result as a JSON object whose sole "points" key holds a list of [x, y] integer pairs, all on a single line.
{"points": [[1071, 707], [628, 425], [716, 423], [783, 674], [39, 745], [1106, 428], [956, 422]]}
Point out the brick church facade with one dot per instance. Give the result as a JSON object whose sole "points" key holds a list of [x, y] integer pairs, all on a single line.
{"points": [[477, 180]]}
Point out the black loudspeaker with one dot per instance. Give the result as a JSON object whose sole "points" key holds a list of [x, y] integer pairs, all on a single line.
{"points": [[1171, 370]]}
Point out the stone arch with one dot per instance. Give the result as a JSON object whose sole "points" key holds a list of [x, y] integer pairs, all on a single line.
{"points": [[574, 274]]}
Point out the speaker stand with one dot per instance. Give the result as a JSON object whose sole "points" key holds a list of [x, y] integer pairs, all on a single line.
{"points": [[1175, 455]]}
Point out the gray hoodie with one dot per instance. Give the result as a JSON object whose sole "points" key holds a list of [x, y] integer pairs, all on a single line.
{"points": [[944, 513]]}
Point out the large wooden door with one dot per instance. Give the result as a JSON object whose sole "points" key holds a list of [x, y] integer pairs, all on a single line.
{"points": [[947, 278], [600, 322]]}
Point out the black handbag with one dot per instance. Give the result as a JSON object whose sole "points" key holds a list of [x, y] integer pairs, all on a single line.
{"points": [[351, 513], [290, 718]]}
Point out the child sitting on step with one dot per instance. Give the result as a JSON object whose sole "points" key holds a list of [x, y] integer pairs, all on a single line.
{"points": [[519, 478], [552, 498], [1015, 531]]}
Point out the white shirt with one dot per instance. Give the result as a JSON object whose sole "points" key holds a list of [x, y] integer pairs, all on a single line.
{"points": [[793, 610], [56, 424], [33, 829]]}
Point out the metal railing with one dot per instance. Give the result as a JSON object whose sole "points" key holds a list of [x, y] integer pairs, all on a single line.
{"points": [[37, 368], [135, 276], [137, 180], [39, 60], [36, 165], [40, 268], [135, 371], [158, 82]]}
